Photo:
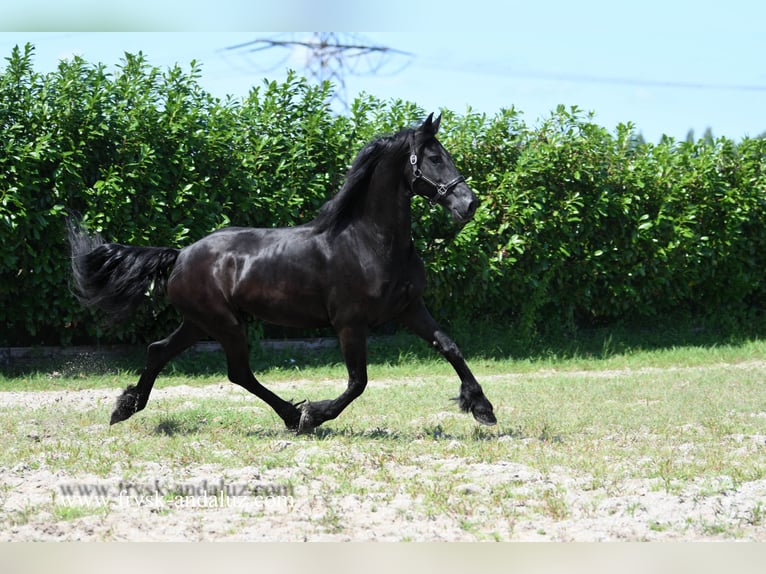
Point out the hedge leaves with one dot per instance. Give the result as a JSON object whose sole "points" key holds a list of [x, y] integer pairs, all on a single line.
{"points": [[578, 225]]}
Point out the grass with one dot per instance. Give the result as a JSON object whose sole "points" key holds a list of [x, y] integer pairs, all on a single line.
{"points": [[670, 342], [66, 512], [582, 435]]}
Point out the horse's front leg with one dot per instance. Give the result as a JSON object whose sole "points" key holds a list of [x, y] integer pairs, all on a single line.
{"points": [[471, 399], [353, 345]]}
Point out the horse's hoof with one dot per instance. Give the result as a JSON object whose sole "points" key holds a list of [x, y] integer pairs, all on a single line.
{"points": [[483, 412], [292, 420], [480, 408], [115, 418], [293, 425], [306, 424], [485, 417], [125, 407]]}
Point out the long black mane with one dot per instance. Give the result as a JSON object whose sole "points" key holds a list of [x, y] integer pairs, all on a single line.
{"points": [[338, 207]]}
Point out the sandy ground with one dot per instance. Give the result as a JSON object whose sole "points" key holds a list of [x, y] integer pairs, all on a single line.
{"points": [[628, 510]]}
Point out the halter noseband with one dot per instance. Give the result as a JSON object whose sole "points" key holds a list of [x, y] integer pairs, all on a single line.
{"points": [[442, 189]]}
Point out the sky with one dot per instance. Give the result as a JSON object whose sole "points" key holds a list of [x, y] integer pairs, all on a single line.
{"points": [[666, 66]]}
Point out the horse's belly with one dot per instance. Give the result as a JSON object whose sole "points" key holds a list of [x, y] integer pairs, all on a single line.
{"points": [[394, 301], [289, 306]]}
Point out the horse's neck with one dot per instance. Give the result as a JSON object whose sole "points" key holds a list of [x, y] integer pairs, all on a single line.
{"points": [[387, 212]]}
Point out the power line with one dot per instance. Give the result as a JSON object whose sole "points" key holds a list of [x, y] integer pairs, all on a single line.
{"points": [[649, 83], [483, 68]]}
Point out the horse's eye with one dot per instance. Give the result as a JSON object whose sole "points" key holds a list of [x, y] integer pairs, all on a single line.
{"points": [[437, 159]]}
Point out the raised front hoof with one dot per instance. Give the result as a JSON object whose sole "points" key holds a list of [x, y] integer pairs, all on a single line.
{"points": [[480, 408], [126, 406], [484, 416]]}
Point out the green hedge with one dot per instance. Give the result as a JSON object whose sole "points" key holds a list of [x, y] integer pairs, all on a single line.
{"points": [[581, 226], [578, 225]]}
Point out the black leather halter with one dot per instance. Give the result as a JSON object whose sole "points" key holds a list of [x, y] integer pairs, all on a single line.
{"points": [[442, 189]]}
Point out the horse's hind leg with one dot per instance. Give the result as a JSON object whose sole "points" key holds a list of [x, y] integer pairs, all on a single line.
{"points": [[353, 345], [135, 397], [234, 343]]}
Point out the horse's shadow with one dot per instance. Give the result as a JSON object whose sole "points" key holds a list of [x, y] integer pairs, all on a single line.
{"points": [[174, 427]]}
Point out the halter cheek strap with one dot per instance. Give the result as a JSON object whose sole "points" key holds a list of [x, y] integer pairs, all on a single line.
{"points": [[442, 189]]}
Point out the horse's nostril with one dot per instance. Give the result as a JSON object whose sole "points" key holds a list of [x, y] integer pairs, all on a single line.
{"points": [[472, 207]]}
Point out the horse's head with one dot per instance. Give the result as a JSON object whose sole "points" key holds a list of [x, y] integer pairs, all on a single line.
{"points": [[434, 175]]}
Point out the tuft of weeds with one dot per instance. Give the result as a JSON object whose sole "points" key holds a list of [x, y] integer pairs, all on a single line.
{"points": [[67, 512]]}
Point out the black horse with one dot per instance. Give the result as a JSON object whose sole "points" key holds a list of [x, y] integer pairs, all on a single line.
{"points": [[353, 267]]}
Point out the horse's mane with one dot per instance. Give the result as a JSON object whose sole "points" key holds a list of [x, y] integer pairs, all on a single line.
{"points": [[338, 207]]}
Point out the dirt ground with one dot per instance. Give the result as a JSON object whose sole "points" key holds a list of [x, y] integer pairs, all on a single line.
{"points": [[33, 505]]}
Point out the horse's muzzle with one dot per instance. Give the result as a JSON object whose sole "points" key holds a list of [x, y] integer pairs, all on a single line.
{"points": [[463, 212], [472, 207]]}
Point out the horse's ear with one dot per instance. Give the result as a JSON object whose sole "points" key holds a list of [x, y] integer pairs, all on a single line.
{"points": [[436, 123], [431, 126]]}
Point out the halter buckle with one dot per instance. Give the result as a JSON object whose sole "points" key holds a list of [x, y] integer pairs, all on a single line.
{"points": [[415, 169]]}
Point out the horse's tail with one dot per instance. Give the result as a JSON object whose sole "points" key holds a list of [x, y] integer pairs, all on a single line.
{"points": [[113, 277]]}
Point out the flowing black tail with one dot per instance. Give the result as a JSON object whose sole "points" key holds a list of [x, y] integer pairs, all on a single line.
{"points": [[113, 277]]}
